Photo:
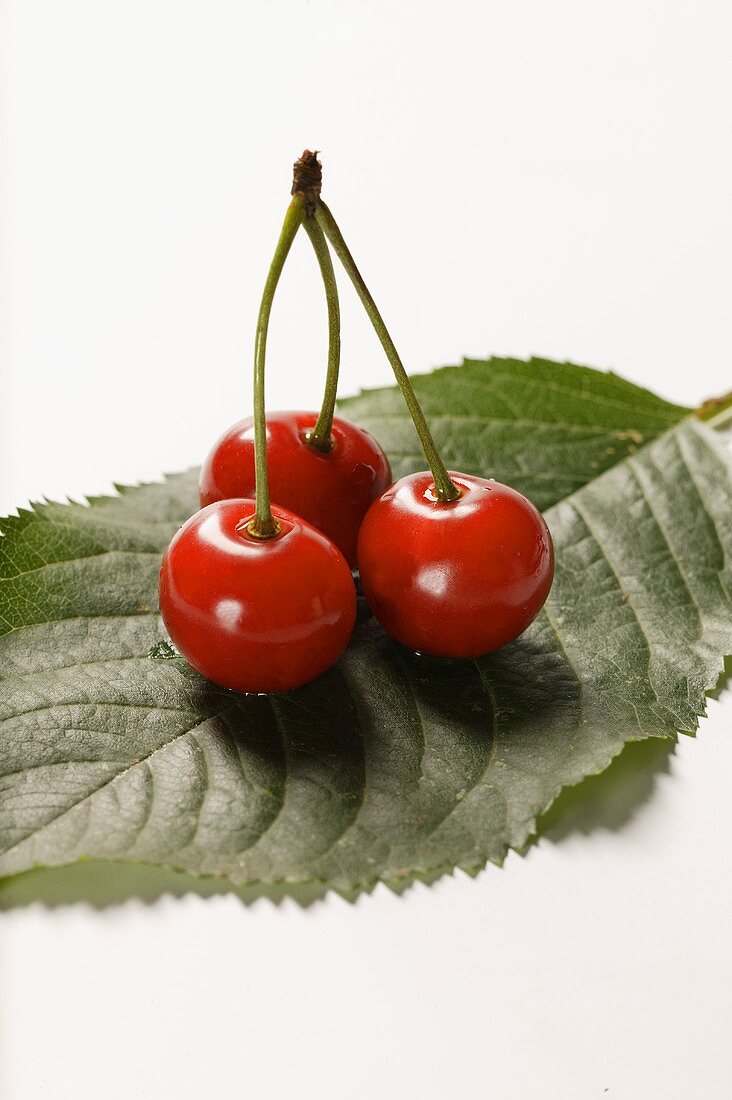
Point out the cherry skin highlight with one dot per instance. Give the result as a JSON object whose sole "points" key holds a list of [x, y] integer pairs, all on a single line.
{"points": [[332, 489], [458, 578], [256, 615]]}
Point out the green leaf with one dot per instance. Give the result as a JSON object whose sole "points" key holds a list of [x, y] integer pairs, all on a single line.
{"points": [[545, 428], [391, 766]]}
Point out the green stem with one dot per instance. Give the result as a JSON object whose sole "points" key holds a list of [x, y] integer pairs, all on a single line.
{"points": [[446, 490], [320, 437], [264, 525]]}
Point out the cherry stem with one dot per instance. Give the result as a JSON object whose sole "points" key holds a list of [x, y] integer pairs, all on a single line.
{"points": [[320, 436], [445, 488], [264, 525]]}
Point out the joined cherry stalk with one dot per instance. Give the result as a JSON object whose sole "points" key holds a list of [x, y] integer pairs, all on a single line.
{"points": [[259, 597]]}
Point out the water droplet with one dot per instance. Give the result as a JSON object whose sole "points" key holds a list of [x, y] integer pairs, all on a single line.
{"points": [[163, 650]]}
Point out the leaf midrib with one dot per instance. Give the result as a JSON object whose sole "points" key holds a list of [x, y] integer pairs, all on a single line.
{"points": [[581, 393], [519, 422]]}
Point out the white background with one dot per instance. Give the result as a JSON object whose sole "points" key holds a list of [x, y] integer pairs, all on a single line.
{"points": [[517, 178]]}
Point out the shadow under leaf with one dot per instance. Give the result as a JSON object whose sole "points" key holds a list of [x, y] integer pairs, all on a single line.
{"points": [[102, 884], [610, 799]]}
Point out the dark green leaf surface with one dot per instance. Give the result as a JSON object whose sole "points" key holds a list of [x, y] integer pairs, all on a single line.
{"points": [[545, 428], [391, 765]]}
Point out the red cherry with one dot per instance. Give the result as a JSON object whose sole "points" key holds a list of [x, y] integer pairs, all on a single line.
{"points": [[332, 490], [256, 615], [458, 578]]}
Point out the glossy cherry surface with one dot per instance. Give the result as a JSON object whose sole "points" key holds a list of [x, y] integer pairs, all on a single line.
{"points": [[332, 490], [455, 579], [256, 615]]}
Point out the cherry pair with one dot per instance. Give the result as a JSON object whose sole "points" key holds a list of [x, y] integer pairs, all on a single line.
{"points": [[268, 614], [261, 599]]}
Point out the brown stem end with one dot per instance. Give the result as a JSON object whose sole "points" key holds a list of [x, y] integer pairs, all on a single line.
{"points": [[714, 405], [307, 178]]}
